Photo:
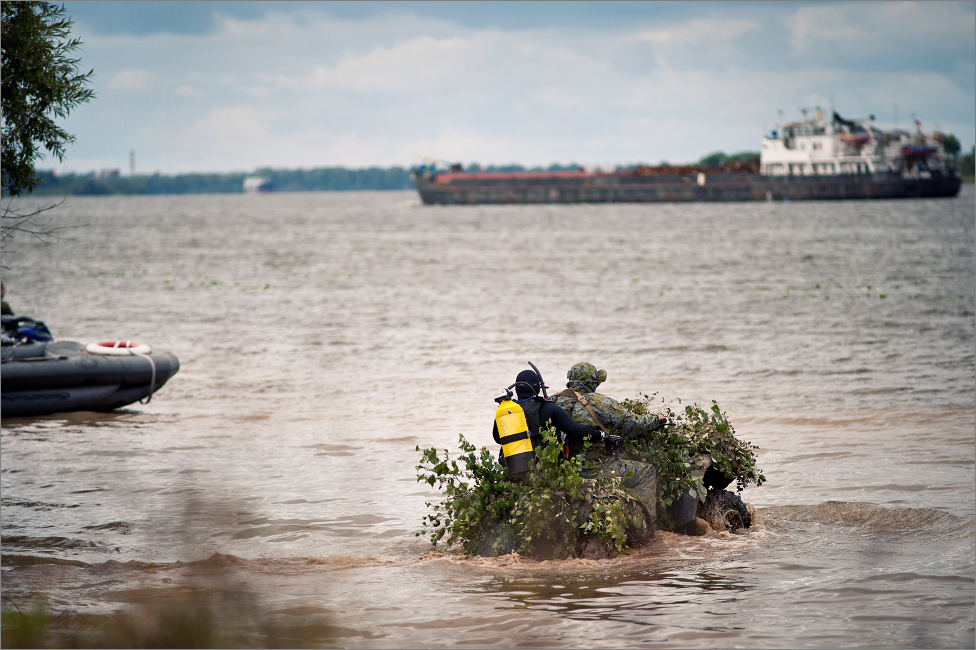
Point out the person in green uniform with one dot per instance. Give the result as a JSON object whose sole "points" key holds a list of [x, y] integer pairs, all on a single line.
{"points": [[581, 401], [587, 407]]}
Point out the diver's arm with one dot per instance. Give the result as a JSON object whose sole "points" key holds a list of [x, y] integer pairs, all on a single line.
{"points": [[550, 412], [622, 420]]}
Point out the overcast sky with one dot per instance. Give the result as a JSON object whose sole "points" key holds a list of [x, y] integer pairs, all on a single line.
{"points": [[233, 86]]}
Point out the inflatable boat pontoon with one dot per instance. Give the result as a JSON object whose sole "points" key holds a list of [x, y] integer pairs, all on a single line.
{"points": [[39, 377]]}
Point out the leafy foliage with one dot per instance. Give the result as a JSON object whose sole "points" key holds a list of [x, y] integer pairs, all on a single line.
{"points": [[720, 158], [545, 513], [478, 498], [951, 144], [967, 164], [549, 515], [41, 82], [555, 511], [674, 450]]}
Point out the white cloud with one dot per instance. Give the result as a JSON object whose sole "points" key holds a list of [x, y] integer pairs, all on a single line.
{"points": [[421, 64], [299, 88], [230, 127], [130, 79], [698, 32], [900, 32], [271, 27]]}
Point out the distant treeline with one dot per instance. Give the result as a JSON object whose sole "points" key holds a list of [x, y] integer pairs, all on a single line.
{"points": [[967, 165], [323, 179], [716, 159], [719, 159], [298, 180]]}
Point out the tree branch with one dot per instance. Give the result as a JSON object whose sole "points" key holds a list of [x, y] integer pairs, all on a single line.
{"points": [[43, 230]]}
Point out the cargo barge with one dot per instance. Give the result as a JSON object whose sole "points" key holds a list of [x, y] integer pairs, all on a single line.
{"points": [[812, 159]]}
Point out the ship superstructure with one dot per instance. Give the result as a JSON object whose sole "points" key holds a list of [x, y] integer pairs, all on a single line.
{"points": [[819, 147]]}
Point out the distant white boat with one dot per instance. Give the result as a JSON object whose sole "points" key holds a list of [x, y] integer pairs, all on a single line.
{"points": [[257, 184]]}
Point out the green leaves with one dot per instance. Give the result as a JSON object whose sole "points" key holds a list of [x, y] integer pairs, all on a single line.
{"points": [[41, 82], [549, 515], [475, 495], [674, 450], [486, 514]]}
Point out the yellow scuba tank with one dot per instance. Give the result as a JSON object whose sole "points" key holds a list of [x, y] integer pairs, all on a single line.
{"points": [[513, 432]]}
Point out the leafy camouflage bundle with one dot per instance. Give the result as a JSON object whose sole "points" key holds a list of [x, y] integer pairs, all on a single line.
{"points": [[674, 450], [555, 513]]}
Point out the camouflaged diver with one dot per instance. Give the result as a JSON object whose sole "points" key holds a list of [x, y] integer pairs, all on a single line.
{"points": [[607, 414], [535, 413], [589, 407]]}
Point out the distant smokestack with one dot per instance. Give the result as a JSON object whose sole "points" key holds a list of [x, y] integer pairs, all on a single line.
{"points": [[132, 162]]}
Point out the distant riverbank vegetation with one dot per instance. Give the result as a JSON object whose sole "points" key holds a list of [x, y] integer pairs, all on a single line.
{"points": [[967, 166], [325, 179], [717, 159], [322, 179]]}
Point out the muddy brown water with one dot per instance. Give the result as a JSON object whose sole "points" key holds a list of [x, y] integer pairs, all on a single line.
{"points": [[324, 336]]}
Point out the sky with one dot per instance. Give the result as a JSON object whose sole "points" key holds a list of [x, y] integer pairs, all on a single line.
{"points": [[236, 86]]}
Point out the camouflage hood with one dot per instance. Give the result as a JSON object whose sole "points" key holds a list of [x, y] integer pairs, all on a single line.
{"points": [[584, 377]]}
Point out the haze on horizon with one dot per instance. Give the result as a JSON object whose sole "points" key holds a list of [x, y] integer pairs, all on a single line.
{"points": [[234, 86]]}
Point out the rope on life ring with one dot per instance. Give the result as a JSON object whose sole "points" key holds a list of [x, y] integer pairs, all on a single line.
{"points": [[126, 348]]}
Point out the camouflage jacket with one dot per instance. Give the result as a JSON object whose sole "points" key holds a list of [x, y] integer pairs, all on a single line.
{"points": [[584, 379]]}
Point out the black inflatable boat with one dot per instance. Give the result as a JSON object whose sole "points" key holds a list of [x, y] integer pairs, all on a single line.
{"points": [[39, 377]]}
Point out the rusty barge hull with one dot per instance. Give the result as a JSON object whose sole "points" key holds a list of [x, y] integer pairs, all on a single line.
{"points": [[466, 188]]}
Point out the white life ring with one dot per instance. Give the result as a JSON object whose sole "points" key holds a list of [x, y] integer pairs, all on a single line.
{"points": [[118, 348]]}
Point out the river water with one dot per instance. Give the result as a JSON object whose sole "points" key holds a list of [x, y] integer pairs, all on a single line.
{"points": [[324, 336]]}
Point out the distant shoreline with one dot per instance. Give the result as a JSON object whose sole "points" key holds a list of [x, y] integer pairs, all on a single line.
{"points": [[327, 179], [323, 179]]}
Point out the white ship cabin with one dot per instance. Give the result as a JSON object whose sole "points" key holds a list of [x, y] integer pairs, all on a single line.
{"points": [[815, 146]]}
